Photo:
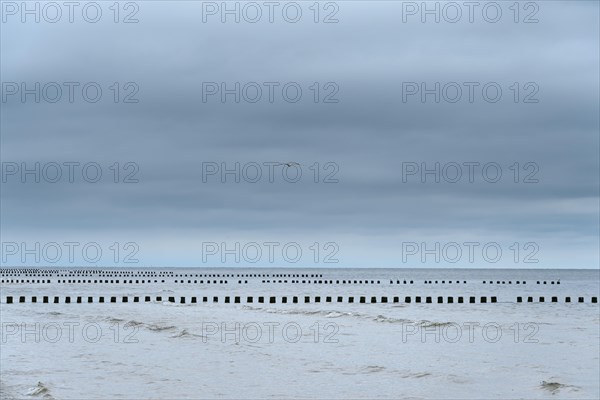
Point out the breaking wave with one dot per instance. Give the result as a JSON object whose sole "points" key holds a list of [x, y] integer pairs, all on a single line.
{"points": [[331, 314], [159, 328], [40, 390], [555, 387], [184, 333]]}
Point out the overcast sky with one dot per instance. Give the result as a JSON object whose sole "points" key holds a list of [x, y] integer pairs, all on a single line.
{"points": [[368, 138]]}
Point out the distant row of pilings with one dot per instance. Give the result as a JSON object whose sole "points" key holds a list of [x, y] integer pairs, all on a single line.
{"points": [[267, 281], [295, 299], [142, 273]]}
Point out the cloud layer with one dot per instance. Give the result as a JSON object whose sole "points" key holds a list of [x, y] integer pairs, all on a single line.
{"points": [[357, 118]]}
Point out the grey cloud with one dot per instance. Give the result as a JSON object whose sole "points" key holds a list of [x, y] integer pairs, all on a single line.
{"points": [[368, 134]]}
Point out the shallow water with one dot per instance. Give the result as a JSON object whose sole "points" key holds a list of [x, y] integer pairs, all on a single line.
{"points": [[329, 350]]}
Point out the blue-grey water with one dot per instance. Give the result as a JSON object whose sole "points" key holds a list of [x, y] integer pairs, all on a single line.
{"points": [[330, 349]]}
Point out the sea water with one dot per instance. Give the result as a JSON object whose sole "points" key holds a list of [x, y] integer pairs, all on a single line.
{"points": [[339, 350]]}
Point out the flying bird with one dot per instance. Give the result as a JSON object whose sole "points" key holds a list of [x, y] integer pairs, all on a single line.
{"points": [[289, 164]]}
